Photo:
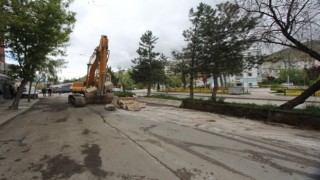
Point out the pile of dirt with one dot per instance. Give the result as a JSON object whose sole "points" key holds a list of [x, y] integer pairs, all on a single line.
{"points": [[128, 103]]}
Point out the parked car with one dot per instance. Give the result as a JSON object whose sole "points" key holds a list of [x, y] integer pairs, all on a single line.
{"points": [[33, 92]]}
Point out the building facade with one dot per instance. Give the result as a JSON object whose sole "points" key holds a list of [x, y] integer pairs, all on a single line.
{"points": [[4, 84]]}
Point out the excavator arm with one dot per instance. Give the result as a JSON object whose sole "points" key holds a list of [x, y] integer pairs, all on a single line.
{"points": [[97, 71]]}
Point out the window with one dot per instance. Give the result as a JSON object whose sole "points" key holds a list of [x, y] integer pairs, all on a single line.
{"points": [[249, 74]]}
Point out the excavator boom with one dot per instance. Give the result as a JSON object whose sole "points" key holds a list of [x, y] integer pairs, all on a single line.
{"points": [[97, 88]]}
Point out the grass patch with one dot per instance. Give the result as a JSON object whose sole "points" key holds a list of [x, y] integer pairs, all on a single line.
{"points": [[312, 109], [239, 105], [124, 94]]}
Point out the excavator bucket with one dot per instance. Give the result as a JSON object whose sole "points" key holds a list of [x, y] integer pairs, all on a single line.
{"points": [[92, 98]]}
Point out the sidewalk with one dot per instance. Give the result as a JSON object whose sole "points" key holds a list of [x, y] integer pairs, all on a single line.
{"points": [[7, 114]]}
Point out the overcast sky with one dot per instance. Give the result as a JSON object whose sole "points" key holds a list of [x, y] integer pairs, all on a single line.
{"points": [[124, 21]]}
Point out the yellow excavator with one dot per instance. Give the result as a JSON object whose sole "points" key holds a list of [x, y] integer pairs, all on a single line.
{"points": [[98, 86]]}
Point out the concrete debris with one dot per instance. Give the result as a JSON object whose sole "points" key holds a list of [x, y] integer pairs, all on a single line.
{"points": [[129, 103], [115, 101], [110, 107]]}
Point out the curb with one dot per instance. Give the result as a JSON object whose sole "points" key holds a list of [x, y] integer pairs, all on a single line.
{"points": [[14, 113], [166, 102]]}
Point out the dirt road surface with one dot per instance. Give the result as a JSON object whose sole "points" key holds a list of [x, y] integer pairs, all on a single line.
{"points": [[54, 140]]}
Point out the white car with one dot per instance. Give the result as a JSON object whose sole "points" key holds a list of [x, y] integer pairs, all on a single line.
{"points": [[33, 92]]}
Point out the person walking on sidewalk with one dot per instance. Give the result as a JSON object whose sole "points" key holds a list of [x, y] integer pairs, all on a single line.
{"points": [[49, 91], [44, 92]]}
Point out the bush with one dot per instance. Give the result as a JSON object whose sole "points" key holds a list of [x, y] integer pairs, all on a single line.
{"points": [[124, 94], [312, 108], [163, 96]]}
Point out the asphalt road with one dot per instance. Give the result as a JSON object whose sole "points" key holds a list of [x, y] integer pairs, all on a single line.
{"points": [[54, 140]]}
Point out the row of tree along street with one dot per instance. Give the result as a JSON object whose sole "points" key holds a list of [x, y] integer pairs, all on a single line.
{"points": [[219, 42]]}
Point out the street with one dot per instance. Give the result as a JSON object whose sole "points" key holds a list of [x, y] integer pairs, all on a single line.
{"points": [[54, 140]]}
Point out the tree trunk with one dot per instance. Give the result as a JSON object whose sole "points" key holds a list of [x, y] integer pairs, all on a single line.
{"points": [[221, 81], [215, 88], [149, 90], [35, 87], [29, 91], [191, 86], [184, 82], [301, 98], [15, 103], [225, 81]]}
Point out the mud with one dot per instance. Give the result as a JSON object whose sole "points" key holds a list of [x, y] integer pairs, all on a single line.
{"points": [[93, 160], [45, 106], [87, 131], [61, 166], [64, 119], [184, 174]]}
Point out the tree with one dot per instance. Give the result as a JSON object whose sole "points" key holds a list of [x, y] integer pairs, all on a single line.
{"points": [[180, 66], [127, 80], [36, 31], [225, 36], [149, 65], [49, 71], [114, 78], [270, 78], [193, 39], [288, 23], [124, 78], [296, 76]]}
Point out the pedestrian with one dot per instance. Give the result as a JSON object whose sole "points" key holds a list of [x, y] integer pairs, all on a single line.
{"points": [[49, 91], [0, 93], [44, 92]]}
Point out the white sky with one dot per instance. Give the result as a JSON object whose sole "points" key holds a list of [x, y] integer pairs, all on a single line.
{"points": [[124, 21]]}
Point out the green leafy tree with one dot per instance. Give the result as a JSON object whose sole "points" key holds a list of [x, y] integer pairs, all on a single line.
{"points": [[180, 66], [37, 30], [114, 78], [192, 51], [127, 81], [296, 76], [149, 65], [124, 78], [49, 70], [225, 36]]}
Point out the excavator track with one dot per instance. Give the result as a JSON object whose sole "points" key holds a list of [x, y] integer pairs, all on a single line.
{"points": [[77, 100]]}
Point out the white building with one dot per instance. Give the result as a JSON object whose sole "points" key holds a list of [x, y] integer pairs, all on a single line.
{"points": [[248, 78]]}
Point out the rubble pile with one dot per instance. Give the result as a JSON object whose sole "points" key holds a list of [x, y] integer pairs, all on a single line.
{"points": [[126, 103]]}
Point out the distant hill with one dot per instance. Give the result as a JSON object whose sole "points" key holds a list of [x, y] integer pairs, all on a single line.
{"points": [[293, 54]]}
